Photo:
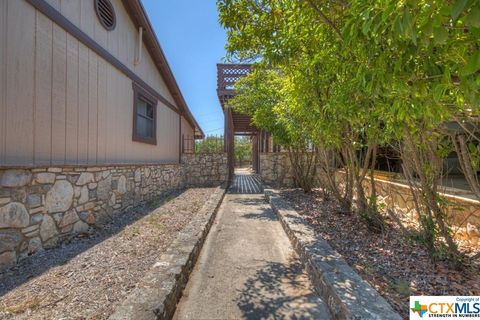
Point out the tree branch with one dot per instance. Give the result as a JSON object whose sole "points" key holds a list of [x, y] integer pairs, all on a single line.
{"points": [[325, 19]]}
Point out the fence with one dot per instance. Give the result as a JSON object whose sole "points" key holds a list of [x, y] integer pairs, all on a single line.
{"points": [[211, 144]]}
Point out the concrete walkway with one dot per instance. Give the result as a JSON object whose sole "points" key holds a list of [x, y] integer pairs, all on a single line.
{"points": [[248, 270], [246, 183]]}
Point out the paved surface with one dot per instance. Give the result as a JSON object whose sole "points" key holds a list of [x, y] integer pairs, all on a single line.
{"points": [[248, 270], [246, 184]]}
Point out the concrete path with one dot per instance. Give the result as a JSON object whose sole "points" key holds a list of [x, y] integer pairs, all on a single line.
{"points": [[248, 270], [246, 183]]}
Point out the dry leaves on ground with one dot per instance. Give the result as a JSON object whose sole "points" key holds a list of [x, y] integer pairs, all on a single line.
{"points": [[393, 265]]}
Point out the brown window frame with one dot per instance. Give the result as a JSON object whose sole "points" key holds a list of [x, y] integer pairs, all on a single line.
{"points": [[141, 94]]}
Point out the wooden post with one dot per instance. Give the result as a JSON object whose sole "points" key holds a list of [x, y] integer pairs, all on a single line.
{"points": [[229, 142], [255, 153], [267, 142], [225, 130]]}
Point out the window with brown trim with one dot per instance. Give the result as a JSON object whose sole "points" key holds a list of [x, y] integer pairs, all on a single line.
{"points": [[144, 116]]}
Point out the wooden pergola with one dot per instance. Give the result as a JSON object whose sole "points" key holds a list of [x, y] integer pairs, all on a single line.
{"points": [[235, 123]]}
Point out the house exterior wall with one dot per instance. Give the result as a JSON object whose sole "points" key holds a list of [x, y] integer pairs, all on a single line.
{"points": [[121, 42], [63, 104], [188, 137], [187, 129], [67, 157], [41, 207]]}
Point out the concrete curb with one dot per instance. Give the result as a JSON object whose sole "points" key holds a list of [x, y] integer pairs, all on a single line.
{"points": [[347, 295], [158, 293]]}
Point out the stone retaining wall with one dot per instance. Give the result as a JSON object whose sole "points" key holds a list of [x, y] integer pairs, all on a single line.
{"points": [[397, 195], [275, 169], [209, 169], [41, 207], [347, 295], [157, 294]]}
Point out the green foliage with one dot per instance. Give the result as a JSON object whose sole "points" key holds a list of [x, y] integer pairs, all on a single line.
{"points": [[211, 144], [243, 150], [348, 76], [214, 144]]}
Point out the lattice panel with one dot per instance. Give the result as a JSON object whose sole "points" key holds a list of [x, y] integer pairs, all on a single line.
{"points": [[227, 75]]}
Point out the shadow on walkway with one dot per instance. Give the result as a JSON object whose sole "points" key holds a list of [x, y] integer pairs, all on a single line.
{"points": [[280, 291], [246, 184], [248, 269]]}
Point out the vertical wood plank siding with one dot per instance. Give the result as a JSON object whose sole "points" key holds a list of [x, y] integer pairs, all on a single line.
{"points": [[3, 75], [20, 82], [59, 98], [72, 124], [102, 113], [63, 103], [83, 104], [92, 107], [43, 89]]}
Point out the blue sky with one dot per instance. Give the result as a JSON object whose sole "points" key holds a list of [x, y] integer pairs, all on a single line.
{"points": [[193, 41]]}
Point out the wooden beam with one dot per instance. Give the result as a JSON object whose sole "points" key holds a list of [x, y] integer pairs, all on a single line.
{"points": [[255, 153]]}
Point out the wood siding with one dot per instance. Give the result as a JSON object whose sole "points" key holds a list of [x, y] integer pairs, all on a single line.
{"points": [[122, 42], [187, 129], [61, 103]]}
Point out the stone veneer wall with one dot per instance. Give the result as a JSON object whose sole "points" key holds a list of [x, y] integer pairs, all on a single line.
{"points": [[460, 209], [276, 171], [208, 169], [40, 207]]}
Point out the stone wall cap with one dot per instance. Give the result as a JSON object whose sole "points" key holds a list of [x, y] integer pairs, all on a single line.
{"points": [[158, 293], [348, 295]]}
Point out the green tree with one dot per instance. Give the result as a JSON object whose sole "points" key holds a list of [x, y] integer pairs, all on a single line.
{"points": [[211, 144], [264, 96], [350, 76], [243, 150]]}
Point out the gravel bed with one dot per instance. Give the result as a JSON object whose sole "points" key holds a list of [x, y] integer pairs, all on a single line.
{"points": [[393, 265], [88, 277]]}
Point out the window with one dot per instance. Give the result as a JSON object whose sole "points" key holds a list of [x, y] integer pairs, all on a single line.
{"points": [[144, 116]]}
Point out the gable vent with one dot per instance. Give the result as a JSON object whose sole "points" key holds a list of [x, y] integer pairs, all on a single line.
{"points": [[105, 14]]}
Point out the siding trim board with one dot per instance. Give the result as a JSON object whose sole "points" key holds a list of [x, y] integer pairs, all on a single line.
{"points": [[59, 19], [74, 167]]}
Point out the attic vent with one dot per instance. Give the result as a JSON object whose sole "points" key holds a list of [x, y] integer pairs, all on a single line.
{"points": [[105, 14]]}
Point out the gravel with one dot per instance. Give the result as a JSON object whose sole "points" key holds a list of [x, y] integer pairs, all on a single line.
{"points": [[89, 276]]}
